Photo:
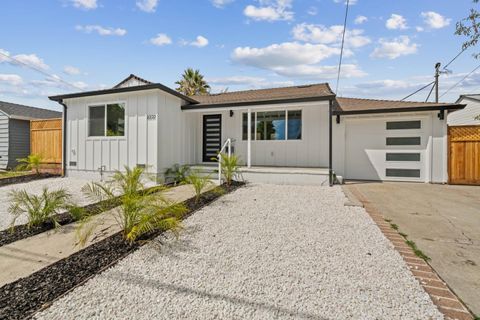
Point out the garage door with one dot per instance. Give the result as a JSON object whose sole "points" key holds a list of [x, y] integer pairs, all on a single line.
{"points": [[387, 149]]}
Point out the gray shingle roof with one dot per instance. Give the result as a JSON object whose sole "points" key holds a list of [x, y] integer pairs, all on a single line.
{"points": [[20, 111]]}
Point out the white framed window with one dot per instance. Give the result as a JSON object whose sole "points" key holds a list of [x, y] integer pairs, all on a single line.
{"points": [[274, 125], [106, 120]]}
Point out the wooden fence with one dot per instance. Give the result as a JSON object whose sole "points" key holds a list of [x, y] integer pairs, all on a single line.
{"points": [[464, 155], [46, 140]]}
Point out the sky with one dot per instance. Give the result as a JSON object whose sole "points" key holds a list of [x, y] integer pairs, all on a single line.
{"points": [[52, 47]]}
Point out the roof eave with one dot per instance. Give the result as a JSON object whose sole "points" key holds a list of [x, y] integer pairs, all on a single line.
{"points": [[59, 98], [255, 103], [394, 110]]}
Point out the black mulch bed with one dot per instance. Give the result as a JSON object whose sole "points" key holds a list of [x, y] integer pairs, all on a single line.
{"points": [[25, 178], [22, 298]]}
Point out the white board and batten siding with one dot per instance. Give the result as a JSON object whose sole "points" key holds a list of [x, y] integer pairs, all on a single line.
{"points": [[4, 143], [466, 116], [154, 134], [310, 151]]}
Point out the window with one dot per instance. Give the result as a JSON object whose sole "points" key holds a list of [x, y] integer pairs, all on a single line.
{"points": [[294, 125], [271, 125], [400, 125], [106, 120], [245, 125], [274, 125], [403, 141], [403, 157], [403, 173]]}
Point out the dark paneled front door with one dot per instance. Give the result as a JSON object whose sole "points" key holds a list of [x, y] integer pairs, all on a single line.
{"points": [[212, 136]]}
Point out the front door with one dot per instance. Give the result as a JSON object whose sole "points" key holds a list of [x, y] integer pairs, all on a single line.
{"points": [[212, 136]]}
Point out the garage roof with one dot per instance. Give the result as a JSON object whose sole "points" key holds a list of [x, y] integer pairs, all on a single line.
{"points": [[363, 106], [18, 111]]}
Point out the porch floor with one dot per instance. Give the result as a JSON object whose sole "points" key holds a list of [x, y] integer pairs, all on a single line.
{"points": [[271, 169]]}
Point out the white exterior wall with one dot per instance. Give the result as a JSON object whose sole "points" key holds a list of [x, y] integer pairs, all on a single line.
{"points": [[155, 134], [466, 116], [310, 151]]}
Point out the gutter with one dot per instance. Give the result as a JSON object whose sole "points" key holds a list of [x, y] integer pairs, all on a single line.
{"points": [[395, 110], [64, 138]]}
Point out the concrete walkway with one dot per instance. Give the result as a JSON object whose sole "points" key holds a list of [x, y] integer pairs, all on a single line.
{"points": [[444, 222], [24, 257]]}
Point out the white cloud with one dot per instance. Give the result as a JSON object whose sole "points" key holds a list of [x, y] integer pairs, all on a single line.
{"points": [[70, 70], [161, 40], [221, 3], [419, 29], [396, 22], [147, 5], [11, 79], [103, 31], [284, 54], [332, 35], [247, 81], [85, 4], [321, 72], [270, 10], [360, 19], [435, 20], [200, 42], [313, 11], [395, 48], [23, 59]]}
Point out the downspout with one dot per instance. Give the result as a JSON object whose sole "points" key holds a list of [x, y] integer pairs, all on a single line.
{"points": [[64, 138], [330, 143]]}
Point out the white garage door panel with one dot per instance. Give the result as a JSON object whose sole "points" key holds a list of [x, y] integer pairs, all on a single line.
{"points": [[366, 149]]}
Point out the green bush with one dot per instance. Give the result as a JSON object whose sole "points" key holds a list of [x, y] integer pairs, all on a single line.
{"points": [[229, 165], [177, 173], [32, 162], [198, 182]]}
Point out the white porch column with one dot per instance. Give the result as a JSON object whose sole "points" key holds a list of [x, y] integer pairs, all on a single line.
{"points": [[249, 138]]}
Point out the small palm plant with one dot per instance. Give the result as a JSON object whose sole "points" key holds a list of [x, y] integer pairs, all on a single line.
{"points": [[177, 173], [229, 165], [198, 182], [39, 208], [141, 210], [32, 162]]}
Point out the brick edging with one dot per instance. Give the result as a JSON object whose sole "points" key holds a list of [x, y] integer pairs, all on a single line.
{"points": [[442, 296]]}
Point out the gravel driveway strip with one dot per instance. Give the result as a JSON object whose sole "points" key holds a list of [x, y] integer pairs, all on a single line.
{"points": [[262, 252]]}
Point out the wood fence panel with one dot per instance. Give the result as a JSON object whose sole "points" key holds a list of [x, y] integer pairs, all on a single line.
{"points": [[464, 155], [46, 140]]}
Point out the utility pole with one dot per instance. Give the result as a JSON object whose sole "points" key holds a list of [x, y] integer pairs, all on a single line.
{"points": [[437, 76]]}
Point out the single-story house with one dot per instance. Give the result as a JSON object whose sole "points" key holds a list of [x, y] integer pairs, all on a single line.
{"points": [[303, 131], [466, 116], [15, 131]]}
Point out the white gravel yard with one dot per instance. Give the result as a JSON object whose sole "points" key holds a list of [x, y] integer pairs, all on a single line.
{"points": [[262, 252], [72, 185]]}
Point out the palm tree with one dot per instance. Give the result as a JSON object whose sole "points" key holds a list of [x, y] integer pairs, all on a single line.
{"points": [[192, 83]]}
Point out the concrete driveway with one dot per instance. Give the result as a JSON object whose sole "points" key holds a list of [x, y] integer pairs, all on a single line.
{"points": [[443, 220]]}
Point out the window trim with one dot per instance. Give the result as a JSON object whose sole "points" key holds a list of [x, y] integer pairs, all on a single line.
{"points": [[98, 104], [254, 124]]}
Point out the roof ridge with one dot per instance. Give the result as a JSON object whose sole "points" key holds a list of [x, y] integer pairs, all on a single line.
{"points": [[24, 106], [130, 77], [261, 89]]}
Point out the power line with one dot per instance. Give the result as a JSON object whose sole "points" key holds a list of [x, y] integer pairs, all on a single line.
{"points": [[463, 79], [55, 77], [430, 93], [455, 58], [418, 90], [343, 43]]}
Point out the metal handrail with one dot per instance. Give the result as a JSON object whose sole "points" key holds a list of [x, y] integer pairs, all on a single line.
{"points": [[228, 144]]}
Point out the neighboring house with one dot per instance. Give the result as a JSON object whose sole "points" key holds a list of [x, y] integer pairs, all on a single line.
{"points": [[15, 131], [291, 132], [466, 116]]}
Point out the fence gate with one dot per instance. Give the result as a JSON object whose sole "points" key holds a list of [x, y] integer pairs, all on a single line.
{"points": [[464, 155], [46, 140]]}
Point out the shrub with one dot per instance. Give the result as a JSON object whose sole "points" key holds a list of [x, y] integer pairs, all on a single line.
{"points": [[229, 165], [141, 210], [177, 173], [32, 162], [198, 182], [38, 208]]}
